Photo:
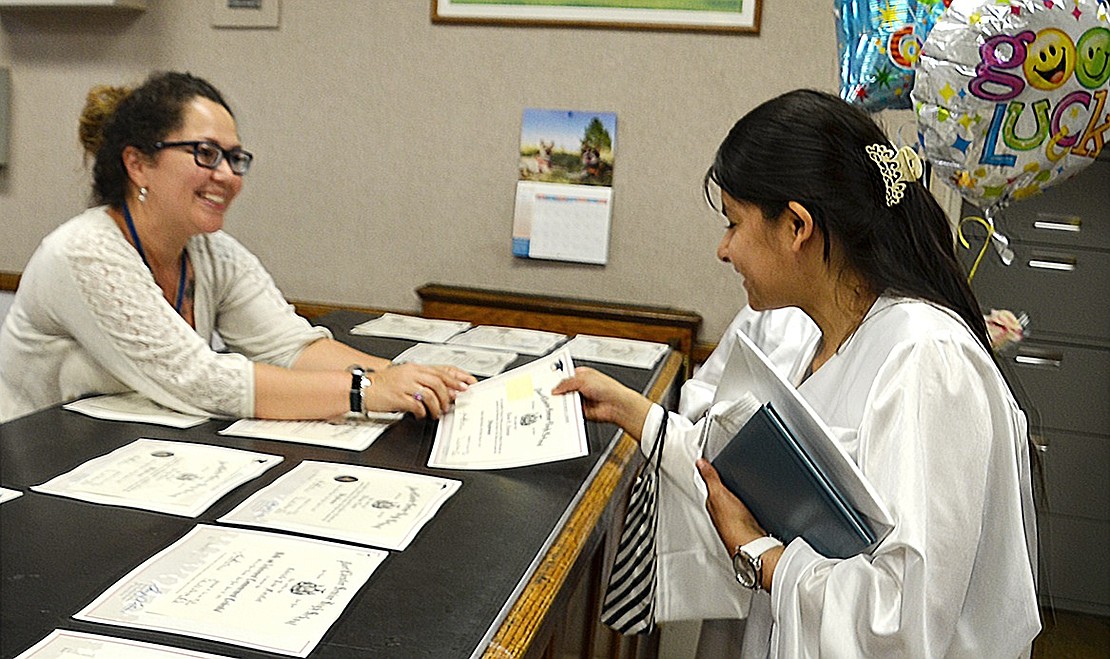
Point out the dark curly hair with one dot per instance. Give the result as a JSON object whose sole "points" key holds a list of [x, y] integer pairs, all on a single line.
{"points": [[116, 117]]}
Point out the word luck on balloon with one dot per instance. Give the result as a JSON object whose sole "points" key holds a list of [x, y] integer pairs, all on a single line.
{"points": [[1045, 60]]}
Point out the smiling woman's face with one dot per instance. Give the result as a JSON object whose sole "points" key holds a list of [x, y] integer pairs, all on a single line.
{"points": [[189, 198]]}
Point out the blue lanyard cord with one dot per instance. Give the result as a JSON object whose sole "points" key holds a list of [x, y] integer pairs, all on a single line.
{"points": [[139, 248]]}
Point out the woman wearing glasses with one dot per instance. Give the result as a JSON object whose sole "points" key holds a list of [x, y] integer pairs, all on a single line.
{"points": [[129, 295]]}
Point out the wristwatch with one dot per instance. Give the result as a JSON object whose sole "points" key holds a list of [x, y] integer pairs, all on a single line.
{"points": [[359, 383], [748, 562]]}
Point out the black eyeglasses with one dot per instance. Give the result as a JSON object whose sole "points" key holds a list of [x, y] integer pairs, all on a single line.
{"points": [[209, 155]]}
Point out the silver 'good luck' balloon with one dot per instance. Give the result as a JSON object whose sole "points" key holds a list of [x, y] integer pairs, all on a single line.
{"points": [[1011, 96]]}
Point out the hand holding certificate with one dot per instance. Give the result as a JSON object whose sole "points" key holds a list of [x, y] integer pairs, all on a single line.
{"points": [[512, 420]]}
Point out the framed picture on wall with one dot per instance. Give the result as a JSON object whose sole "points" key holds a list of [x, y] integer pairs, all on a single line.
{"points": [[692, 15]]}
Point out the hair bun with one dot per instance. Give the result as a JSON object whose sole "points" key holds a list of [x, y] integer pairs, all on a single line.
{"points": [[100, 103]]}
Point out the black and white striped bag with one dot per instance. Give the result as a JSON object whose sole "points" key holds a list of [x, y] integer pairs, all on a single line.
{"points": [[629, 604]]}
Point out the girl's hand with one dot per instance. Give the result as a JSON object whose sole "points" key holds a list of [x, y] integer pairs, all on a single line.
{"points": [[734, 522], [606, 400]]}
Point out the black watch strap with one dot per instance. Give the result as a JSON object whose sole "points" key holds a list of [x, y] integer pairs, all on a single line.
{"points": [[358, 375]]}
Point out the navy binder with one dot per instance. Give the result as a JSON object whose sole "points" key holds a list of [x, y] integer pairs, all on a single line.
{"points": [[789, 494]]}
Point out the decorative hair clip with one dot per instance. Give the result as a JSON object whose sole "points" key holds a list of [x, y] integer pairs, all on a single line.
{"points": [[897, 167]]}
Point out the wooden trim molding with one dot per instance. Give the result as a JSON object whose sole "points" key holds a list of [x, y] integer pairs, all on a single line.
{"points": [[312, 310], [9, 281]]}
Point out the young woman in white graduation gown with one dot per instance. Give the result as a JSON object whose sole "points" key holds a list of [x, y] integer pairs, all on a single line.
{"points": [[856, 295]]}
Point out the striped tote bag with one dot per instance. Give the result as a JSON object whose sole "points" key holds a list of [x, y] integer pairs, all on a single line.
{"points": [[629, 603]]}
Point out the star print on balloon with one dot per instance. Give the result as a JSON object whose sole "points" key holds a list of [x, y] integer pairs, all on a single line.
{"points": [[879, 42], [1011, 97]]}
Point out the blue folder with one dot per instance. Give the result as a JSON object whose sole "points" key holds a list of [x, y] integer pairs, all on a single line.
{"points": [[787, 491]]}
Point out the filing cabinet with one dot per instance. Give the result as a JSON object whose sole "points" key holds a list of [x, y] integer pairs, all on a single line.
{"points": [[1060, 277]]}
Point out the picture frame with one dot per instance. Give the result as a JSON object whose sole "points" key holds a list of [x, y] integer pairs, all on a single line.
{"points": [[725, 16]]}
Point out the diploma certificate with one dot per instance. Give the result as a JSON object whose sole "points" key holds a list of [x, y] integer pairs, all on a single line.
{"points": [[612, 350], [512, 420], [353, 435], [514, 339], [267, 591], [411, 327], [365, 505], [177, 478], [8, 494], [68, 644], [472, 360], [133, 407]]}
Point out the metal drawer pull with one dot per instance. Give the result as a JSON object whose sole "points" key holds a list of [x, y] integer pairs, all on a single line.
{"points": [[1051, 222], [1048, 360], [1045, 263]]}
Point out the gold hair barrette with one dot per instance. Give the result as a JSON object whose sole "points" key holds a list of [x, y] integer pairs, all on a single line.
{"points": [[897, 167]]}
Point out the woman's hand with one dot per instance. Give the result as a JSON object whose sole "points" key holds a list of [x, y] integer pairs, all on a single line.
{"points": [[734, 522], [421, 390], [606, 400]]}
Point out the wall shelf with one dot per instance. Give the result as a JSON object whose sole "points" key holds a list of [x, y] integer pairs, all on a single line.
{"points": [[73, 4]]}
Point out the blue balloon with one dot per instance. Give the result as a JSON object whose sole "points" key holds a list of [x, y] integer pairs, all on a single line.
{"points": [[879, 43]]}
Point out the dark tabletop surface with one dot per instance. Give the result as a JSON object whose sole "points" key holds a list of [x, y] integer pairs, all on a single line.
{"points": [[443, 596]]}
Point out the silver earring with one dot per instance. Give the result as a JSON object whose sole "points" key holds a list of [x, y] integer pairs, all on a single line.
{"points": [[142, 195]]}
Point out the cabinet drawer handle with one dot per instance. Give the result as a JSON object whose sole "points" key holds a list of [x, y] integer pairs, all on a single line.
{"points": [[1052, 222], [1063, 264], [1048, 360]]}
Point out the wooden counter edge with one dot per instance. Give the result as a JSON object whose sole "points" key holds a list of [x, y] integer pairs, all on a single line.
{"points": [[518, 631]]}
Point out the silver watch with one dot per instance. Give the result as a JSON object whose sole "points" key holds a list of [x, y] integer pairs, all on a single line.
{"points": [[747, 560]]}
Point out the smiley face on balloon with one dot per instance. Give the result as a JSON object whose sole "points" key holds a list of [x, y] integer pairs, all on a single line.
{"points": [[1050, 59], [1092, 66]]}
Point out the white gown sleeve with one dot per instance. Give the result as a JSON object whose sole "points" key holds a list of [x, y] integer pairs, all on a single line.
{"points": [[692, 570], [780, 333], [942, 442]]}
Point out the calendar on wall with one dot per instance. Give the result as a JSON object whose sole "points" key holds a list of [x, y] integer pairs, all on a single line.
{"points": [[564, 193]]}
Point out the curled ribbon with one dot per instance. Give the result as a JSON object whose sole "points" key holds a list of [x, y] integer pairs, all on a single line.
{"points": [[989, 226]]}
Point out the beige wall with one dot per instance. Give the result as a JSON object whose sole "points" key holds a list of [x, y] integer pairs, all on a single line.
{"points": [[387, 146]]}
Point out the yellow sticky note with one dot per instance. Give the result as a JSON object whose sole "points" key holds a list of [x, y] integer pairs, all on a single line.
{"points": [[519, 388]]}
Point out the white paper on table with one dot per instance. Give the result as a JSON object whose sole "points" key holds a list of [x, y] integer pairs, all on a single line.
{"points": [[8, 494], [512, 420], [267, 591], [68, 644], [612, 350], [353, 435], [514, 339], [364, 505], [177, 478], [411, 327], [472, 360], [133, 406]]}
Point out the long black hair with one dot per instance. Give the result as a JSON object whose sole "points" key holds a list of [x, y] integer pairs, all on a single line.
{"points": [[810, 147], [138, 118]]}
